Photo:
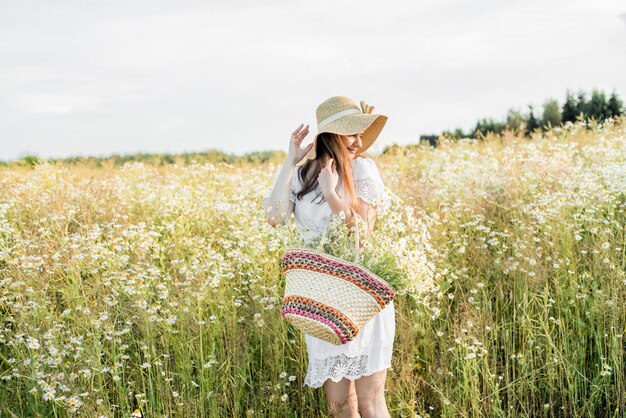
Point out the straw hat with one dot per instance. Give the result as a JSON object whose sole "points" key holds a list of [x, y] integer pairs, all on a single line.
{"points": [[340, 115]]}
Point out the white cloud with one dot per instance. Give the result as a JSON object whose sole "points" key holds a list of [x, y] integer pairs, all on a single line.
{"points": [[106, 76]]}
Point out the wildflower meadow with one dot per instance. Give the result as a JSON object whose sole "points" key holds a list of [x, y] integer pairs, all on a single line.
{"points": [[152, 290]]}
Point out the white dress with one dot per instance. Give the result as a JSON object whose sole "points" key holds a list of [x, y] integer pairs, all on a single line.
{"points": [[371, 350]]}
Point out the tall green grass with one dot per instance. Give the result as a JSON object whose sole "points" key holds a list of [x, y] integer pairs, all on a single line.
{"points": [[157, 289]]}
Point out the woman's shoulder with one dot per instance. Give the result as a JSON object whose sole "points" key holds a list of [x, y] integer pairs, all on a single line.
{"points": [[365, 167], [364, 159]]}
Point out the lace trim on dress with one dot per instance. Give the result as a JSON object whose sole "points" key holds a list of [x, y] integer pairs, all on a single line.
{"points": [[335, 368], [367, 190]]}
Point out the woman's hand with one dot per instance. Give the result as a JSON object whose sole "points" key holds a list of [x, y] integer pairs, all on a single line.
{"points": [[328, 178], [295, 152]]}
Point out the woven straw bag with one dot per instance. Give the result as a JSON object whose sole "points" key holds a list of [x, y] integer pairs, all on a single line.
{"points": [[330, 298]]}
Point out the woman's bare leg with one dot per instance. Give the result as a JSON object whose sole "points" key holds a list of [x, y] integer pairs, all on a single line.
{"points": [[341, 398], [371, 395]]}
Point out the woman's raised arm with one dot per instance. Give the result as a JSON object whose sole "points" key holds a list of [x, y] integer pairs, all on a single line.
{"points": [[278, 206]]}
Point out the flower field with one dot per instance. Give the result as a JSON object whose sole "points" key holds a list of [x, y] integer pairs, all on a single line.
{"points": [[149, 290]]}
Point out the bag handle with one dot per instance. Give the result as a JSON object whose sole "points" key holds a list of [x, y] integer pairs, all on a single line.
{"points": [[356, 239]]}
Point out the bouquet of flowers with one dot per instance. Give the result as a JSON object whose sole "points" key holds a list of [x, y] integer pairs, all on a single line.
{"points": [[398, 249]]}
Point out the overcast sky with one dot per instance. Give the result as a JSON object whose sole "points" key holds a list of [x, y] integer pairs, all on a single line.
{"points": [[95, 77]]}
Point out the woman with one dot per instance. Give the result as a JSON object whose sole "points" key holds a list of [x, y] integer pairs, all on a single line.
{"points": [[328, 177]]}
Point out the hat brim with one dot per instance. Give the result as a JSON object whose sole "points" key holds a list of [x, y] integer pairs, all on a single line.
{"points": [[370, 124]]}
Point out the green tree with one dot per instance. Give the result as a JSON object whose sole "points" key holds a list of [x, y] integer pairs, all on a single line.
{"points": [[31, 160], [514, 120], [531, 122], [569, 108], [483, 126], [615, 105], [432, 140], [551, 113], [582, 106], [458, 133], [598, 107]]}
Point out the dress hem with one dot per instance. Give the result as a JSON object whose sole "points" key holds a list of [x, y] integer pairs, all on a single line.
{"points": [[352, 378]]}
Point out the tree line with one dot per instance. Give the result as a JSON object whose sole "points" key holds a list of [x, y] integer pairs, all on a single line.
{"points": [[579, 106], [576, 107], [186, 158]]}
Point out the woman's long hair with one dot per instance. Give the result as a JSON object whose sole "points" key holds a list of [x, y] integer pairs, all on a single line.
{"points": [[329, 145]]}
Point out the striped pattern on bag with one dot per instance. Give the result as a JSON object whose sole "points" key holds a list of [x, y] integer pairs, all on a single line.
{"points": [[330, 298]]}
